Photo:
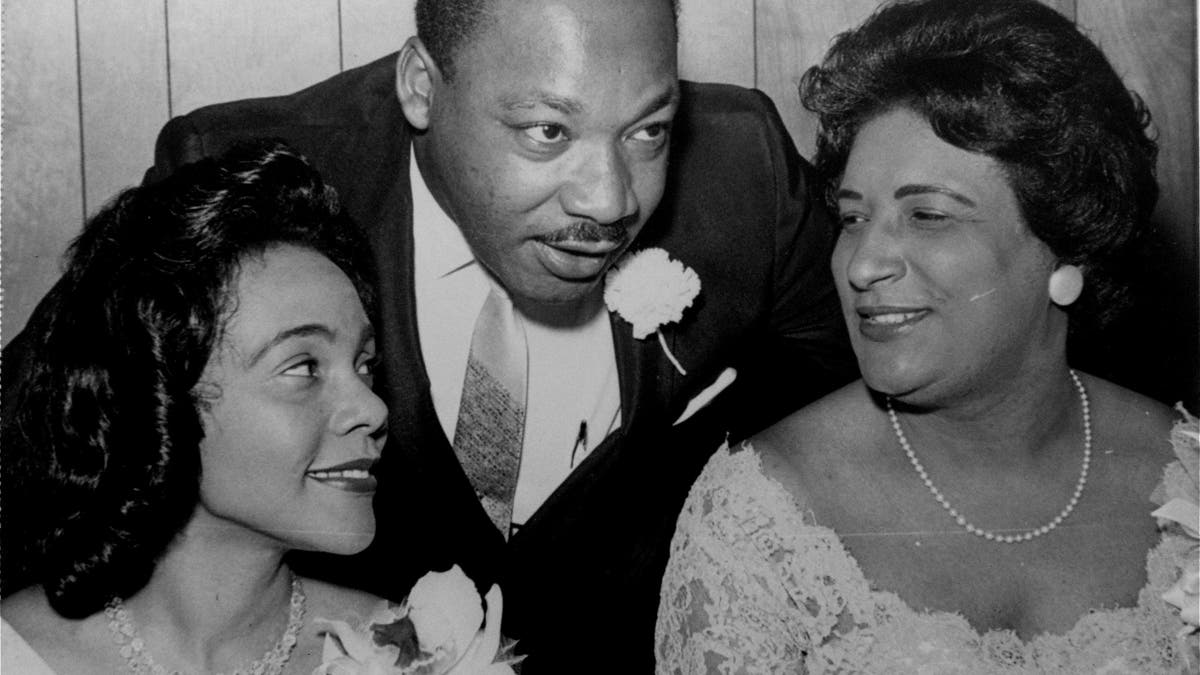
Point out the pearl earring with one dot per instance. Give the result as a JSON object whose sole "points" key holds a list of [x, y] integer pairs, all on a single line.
{"points": [[1066, 283]]}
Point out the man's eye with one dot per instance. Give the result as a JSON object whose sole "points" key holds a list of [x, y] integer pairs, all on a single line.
{"points": [[545, 134], [307, 368], [654, 133]]}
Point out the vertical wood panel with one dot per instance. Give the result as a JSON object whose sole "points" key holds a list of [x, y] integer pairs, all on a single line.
{"points": [[1064, 7], [793, 35], [42, 206], [123, 83], [374, 28], [716, 41], [1152, 47], [230, 49]]}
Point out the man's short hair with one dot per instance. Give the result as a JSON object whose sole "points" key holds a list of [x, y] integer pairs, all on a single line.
{"points": [[445, 25]]}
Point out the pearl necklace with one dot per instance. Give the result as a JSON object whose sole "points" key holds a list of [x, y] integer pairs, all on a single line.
{"points": [[133, 648], [986, 534]]}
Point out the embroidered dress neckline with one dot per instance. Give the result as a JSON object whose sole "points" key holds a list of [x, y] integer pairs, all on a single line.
{"points": [[891, 599]]}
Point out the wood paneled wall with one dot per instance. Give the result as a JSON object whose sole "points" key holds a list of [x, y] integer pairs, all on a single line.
{"points": [[88, 83]]}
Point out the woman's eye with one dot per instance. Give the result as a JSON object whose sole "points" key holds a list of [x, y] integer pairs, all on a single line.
{"points": [[367, 367], [851, 221], [546, 134], [925, 218], [307, 368]]}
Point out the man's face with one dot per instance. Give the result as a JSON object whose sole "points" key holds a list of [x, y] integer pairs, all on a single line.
{"points": [[549, 146]]}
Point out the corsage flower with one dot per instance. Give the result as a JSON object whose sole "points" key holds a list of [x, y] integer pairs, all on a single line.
{"points": [[1179, 496], [440, 629], [649, 290]]}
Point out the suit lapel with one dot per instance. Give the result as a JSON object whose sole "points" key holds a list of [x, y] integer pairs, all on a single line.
{"points": [[642, 403]]}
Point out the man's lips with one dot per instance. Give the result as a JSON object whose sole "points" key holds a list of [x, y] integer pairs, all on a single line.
{"points": [[353, 476], [577, 259], [601, 247], [880, 322]]}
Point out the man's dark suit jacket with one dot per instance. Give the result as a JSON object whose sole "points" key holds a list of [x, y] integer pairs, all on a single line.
{"points": [[581, 578]]}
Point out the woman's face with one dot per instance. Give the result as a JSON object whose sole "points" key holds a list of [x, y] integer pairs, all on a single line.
{"points": [[940, 280], [292, 425]]}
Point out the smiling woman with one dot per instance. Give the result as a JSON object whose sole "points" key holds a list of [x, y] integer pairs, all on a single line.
{"points": [[974, 504], [200, 405], [292, 427]]}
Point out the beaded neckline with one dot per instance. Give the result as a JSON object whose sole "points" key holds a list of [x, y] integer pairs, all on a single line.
{"points": [[988, 534], [133, 648]]}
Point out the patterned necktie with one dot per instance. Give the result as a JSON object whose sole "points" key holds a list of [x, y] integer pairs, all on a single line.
{"points": [[491, 416]]}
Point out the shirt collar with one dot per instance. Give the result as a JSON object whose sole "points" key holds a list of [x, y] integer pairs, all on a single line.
{"points": [[440, 245]]}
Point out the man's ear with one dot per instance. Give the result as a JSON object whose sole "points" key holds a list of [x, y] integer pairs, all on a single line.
{"points": [[415, 74]]}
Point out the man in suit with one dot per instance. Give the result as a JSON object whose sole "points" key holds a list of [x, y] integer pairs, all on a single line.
{"points": [[515, 150]]}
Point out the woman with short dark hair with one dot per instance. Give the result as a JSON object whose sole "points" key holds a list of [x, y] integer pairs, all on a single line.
{"points": [[973, 504]]}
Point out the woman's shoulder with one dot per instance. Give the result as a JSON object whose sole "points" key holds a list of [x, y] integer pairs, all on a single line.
{"points": [[820, 439], [29, 613], [330, 601], [1129, 423], [73, 645], [16, 654], [1131, 439]]}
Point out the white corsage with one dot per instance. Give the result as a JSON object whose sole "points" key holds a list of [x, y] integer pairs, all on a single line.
{"points": [[649, 290], [1179, 495], [440, 629]]}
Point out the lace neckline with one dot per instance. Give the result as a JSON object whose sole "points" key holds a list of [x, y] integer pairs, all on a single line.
{"points": [[780, 502]]}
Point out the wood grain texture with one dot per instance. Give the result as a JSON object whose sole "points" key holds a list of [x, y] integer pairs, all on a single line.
{"points": [[1064, 7], [123, 84], [793, 35], [1150, 46], [42, 205], [230, 49], [716, 41], [374, 28]]}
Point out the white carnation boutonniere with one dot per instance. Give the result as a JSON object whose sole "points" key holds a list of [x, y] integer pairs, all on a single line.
{"points": [[1179, 497], [649, 290], [440, 629]]}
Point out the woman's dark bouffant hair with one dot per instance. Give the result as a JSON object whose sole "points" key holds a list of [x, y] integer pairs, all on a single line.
{"points": [[1015, 80], [111, 411]]}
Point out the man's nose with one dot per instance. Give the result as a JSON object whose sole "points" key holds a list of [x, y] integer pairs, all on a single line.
{"points": [[599, 188]]}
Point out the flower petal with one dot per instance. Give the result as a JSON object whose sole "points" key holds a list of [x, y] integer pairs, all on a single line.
{"points": [[1183, 512], [446, 610], [481, 654], [648, 289]]}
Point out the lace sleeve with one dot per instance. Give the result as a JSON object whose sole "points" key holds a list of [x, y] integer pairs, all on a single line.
{"points": [[723, 608]]}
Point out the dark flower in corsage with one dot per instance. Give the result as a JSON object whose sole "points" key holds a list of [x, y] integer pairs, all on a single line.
{"points": [[440, 629]]}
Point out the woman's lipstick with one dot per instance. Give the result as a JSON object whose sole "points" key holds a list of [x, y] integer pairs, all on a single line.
{"points": [[354, 476], [882, 323]]}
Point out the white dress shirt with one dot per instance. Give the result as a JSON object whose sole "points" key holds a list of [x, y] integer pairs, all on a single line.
{"points": [[572, 370]]}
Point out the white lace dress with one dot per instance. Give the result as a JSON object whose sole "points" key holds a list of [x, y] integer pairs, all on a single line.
{"points": [[753, 586]]}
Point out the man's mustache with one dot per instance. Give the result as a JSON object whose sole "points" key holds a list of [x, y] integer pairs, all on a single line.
{"points": [[590, 231]]}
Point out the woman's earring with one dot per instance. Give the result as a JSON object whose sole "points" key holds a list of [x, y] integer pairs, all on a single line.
{"points": [[1066, 283]]}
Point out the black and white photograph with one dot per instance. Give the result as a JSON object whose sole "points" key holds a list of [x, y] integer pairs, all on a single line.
{"points": [[528, 337]]}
